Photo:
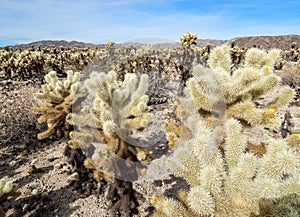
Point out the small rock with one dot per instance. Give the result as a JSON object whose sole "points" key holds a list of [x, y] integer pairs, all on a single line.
{"points": [[32, 169], [10, 101], [33, 161], [73, 176], [35, 191], [66, 168], [13, 163], [25, 207], [45, 194], [59, 165]]}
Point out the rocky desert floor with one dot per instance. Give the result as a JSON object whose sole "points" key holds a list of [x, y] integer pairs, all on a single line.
{"points": [[41, 170]]}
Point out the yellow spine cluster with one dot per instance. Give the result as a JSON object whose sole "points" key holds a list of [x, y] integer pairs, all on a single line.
{"points": [[54, 104]]}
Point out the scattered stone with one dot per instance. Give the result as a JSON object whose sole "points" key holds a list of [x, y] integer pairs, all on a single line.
{"points": [[59, 165], [45, 194], [32, 169], [73, 177], [13, 163], [33, 161], [66, 168], [34, 191], [25, 207]]}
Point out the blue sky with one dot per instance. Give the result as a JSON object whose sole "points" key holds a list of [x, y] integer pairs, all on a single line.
{"points": [[99, 21]]}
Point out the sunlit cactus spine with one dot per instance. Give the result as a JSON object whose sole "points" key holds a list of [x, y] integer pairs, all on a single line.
{"points": [[188, 39], [109, 45], [240, 88], [219, 86], [212, 150], [119, 109], [230, 181], [55, 103]]}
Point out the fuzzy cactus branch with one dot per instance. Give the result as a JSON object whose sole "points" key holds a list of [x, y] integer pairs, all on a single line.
{"points": [[241, 87], [119, 109], [234, 183], [7, 189], [55, 103], [188, 39], [212, 152]]}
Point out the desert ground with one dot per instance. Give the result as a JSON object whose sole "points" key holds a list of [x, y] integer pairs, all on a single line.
{"points": [[42, 171]]}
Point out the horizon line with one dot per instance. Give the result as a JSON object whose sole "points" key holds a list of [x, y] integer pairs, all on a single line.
{"points": [[140, 40]]}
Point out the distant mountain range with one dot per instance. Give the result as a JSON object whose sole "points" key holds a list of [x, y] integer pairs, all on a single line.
{"points": [[58, 43], [267, 42], [282, 42]]}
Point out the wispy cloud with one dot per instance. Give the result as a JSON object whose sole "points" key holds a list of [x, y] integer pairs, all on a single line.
{"points": [[100, 21]]}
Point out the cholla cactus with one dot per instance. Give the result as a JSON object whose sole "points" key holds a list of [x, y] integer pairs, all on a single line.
{"points": [[284, 207], [7, 189], [226, 177], [237, 55], [31, 63], [294, 141], [56, 101], [220, 92], [188, 39], [230, 181], [109, 45], [293, 54], [240, 88], [119, 109]]}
